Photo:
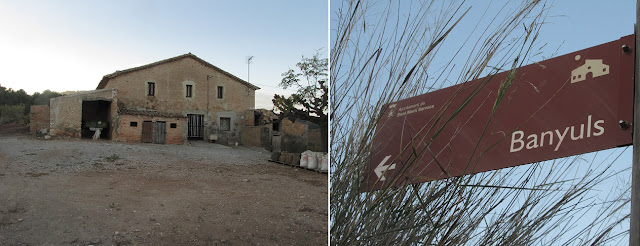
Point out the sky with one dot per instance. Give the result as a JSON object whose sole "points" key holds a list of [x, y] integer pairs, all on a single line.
{"points": [[69, 45], [570, 25]]}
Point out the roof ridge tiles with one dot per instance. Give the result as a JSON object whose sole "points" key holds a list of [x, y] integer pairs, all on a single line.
{"points": [[117, 73]]}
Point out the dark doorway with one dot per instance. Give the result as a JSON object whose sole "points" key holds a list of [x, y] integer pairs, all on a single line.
{"points": [[96, 114], [196, 126], [276, 125]]}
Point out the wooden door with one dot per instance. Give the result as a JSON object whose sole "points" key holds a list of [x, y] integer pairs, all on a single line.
{"points": [[147, 131], [160, 132]]}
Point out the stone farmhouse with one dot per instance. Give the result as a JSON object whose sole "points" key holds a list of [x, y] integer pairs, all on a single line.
{"points": [[169, 101]]}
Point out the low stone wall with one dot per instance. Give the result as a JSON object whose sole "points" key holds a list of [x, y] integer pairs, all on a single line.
{"points": [[39, 120], [293, 128], [256, 136], [250, 136]]}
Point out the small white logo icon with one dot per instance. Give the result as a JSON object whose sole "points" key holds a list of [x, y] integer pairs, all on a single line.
{"points": [[593, 66]]}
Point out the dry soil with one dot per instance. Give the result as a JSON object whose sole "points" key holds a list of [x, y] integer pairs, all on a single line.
{"points": [[86, 192]]}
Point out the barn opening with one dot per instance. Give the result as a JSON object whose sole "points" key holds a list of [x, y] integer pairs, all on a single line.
{"points": [[96, 115]]}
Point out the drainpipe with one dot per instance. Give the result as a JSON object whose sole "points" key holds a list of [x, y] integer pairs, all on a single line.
{"points": [[208, 116]]}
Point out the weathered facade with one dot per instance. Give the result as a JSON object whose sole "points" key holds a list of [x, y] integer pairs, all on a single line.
{"points": [[150, 127], [259, 128], [168, 101], [301, 135], [264, 129]]}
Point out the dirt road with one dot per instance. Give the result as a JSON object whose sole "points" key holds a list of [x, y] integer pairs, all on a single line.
{"points": [[85, 192]]}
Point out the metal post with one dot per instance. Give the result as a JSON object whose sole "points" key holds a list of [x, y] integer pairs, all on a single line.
{"points": [[634, 228], [208, 116], [249, 58]]}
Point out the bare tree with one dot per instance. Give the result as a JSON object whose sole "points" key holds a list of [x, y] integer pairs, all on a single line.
{"points": [[383, 51]]}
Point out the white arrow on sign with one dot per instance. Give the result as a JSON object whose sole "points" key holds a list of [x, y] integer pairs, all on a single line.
{"points": [[381, 168]]}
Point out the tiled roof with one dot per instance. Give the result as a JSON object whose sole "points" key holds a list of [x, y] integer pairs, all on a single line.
{"points": [[107, 77], [130, 111]]}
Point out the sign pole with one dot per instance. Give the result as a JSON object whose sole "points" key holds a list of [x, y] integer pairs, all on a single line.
{"points": [[634, 228]]}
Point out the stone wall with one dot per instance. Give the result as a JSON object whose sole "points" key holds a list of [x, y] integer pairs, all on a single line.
{"points": [[251, 136], [294, 128], [315, 140], [230, 136], [300, 136], [257, 136], [249, 118], [39, 120], [293, 143]]}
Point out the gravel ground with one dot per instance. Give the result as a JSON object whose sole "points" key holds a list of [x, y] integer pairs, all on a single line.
{"points": [[85, 192], [64, 156]]}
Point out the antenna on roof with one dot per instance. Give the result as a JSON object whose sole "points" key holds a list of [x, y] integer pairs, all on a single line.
{"points": [[249, 58]]}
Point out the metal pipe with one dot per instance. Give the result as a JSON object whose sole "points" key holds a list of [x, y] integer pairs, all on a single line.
{"points": [[634, 227], [209, 116]]}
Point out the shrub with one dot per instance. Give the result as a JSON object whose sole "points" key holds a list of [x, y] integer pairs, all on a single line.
{"points": [[11, 113]]}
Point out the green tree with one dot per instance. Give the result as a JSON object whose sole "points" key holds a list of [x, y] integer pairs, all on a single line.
{"points": [[44, 97], [310, 102], [10, 97], [19, 100]]}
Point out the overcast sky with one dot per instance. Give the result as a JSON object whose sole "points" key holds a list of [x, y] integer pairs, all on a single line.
{"points": [[69, 45]]}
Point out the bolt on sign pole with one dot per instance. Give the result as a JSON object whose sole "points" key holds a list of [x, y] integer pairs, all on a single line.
{"points": [[634, 228]]}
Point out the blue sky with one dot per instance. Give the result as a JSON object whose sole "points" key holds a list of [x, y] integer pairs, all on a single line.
{"points": [[575, 25], [71, 44]]}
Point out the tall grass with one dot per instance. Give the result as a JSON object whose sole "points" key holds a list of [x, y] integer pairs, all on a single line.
{"points": [[382, 52]]}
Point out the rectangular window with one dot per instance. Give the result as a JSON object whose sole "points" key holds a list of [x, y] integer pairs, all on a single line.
{"points": [[151, 89], [189, 90], [225, 124], [133, 124], [173, 125], [220, 90]]}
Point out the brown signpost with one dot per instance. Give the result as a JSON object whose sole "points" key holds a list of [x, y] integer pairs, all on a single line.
{"points": [[568, 105]]}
